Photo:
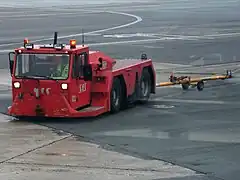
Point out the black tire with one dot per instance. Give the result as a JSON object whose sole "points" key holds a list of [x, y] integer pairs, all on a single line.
{"points": [[144, 87], [116, 96], [200, 85], [185, 86]]}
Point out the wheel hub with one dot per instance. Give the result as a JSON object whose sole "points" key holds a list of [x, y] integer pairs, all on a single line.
{"points": [[115, 97], [144, 87]]}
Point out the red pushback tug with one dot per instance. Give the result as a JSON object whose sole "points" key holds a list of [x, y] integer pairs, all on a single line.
{"points": [[57, 80]]}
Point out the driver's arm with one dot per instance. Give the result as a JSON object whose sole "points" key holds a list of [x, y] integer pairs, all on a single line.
{"points": [[65, 71]]}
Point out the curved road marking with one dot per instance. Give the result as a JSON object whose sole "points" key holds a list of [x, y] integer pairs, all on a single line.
{"points": [[138, 19]]}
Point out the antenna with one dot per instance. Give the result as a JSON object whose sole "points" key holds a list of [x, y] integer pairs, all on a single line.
{"points": [[55, 38], [82, 37]]}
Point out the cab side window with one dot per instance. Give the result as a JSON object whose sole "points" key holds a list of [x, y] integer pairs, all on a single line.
{"points": [[78, 63], [75, 68]]}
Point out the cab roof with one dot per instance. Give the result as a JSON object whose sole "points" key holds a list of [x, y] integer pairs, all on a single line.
{"points": [[58, 48]]}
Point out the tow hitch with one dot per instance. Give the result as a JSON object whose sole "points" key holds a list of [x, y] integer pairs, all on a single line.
{"points": [[39, 111]]}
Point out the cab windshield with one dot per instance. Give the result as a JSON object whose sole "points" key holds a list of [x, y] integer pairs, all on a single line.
{"points": [[50, 66]]}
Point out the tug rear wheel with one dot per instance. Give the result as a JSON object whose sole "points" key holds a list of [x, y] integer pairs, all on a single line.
{"points": [[200, 85], [145, 87], [116, 96]]}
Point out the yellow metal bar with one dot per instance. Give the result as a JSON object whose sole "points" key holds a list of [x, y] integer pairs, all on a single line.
{"points": [[193, 80]]}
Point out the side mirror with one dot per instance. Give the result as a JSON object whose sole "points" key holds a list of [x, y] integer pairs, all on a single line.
{"points": [[87, 72], [11, 61], [144, 56], [102, 64]]}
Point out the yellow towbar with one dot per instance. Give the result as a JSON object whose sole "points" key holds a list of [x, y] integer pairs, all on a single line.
{"points": [[186, 81]]}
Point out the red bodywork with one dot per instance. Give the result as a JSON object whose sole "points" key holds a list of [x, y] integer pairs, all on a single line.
{"points": [[95, 100]]}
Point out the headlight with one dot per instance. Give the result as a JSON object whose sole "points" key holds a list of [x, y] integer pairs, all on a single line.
{"points": [[64, 86], [16, 84]]}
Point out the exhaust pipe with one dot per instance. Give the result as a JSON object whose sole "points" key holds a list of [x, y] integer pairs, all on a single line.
{"points": [[55, 38]]}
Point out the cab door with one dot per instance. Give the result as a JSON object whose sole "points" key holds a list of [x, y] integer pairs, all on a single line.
{"points": [[80, 88]]}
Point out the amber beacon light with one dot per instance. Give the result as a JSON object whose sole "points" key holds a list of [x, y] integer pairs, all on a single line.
{"points": [[73, 43], [26, 41]]}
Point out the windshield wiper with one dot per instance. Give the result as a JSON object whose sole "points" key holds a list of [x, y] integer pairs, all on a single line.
{"points": [[45, 77], [25, 77], [36, 77]]}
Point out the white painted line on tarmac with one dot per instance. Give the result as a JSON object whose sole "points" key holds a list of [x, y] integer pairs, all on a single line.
{"points": [[191, 101], [93, 44], [172, 36], [171, 5], [125, 42], [237, 70], [34, 11], [97, 44], [191, 136], [171, 64], [6, 50], [38, 37], [137, 20], [40, 15]]}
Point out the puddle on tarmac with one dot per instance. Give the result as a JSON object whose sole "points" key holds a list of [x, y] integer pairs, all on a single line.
{"points": [[161, 106]]}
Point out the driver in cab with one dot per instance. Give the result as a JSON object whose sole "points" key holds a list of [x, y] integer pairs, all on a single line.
{"points": [[62, 67]]}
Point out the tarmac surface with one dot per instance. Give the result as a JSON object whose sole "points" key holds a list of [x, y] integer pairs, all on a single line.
{"points": [[194, 130]]}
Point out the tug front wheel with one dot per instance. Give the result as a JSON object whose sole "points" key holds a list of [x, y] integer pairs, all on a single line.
{"points": [[116, 96]]}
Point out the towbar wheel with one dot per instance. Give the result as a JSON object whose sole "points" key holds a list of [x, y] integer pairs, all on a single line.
{"points": [[200, 85], [185, 86]]}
